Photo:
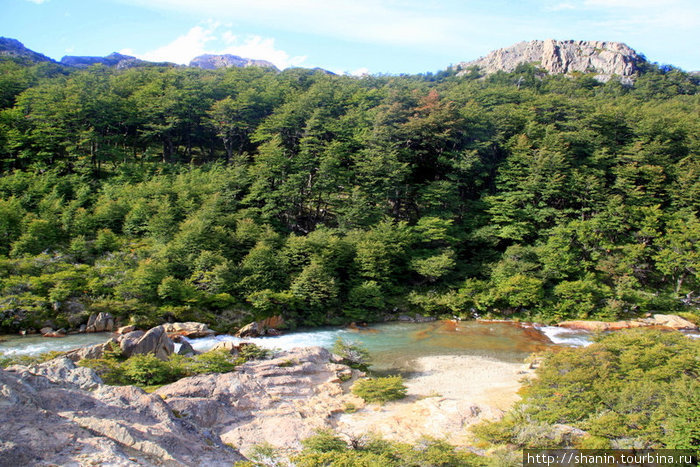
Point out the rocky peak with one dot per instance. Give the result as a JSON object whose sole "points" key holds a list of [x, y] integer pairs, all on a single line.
{"points": [[114, 59], [212, 62], [606, 59], [12, 48]]}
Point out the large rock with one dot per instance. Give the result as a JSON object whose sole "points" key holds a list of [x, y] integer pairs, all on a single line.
{"points": [[155, 341], [93, 351], [189, 329], [606, 59], [261, 328], [44, 423], [281, 401], [665, 321], [61, 371], [212, 62], [102, 322]]}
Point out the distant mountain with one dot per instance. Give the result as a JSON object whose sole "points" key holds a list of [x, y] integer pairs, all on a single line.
{"points": [[212, 62], [114, 59], [13, 48], [606, 59]]}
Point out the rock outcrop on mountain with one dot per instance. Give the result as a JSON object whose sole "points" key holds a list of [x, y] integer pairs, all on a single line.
{"points": [[605, 59], [114, 59], [12, 48], [212, 62]]}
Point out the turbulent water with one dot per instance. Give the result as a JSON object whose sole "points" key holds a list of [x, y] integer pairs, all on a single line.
{"points": [[392, 345], [35, 344]]}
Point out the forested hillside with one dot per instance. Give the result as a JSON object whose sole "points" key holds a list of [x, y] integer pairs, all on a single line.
{"points": [[162, 193]]}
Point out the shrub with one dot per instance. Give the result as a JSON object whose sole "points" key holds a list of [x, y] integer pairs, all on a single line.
{"points": [[148, 370], [254, 352], [353, 355], [380, 389]]}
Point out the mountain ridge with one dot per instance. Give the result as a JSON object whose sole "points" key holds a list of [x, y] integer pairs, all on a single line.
{"points": [[606, 59]]}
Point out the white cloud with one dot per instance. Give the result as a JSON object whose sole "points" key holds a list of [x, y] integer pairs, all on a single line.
{"points": [[372, 21], [211, 39], [360, 71], [38, 2]]}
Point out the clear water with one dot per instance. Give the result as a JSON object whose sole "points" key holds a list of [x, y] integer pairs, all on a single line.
{"points": [[392, 345], [396, 345]]}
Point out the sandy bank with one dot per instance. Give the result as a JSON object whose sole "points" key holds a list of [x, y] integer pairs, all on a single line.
{"points": [[445, 396]]}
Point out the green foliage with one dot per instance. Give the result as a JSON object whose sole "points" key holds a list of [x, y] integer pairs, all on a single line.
{"points": [[325, 448], [634, 387], [353, 355], [327, 199], [254, 352], [380, 390]]}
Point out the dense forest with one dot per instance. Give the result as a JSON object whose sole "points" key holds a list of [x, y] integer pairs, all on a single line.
{"points": [[163, 193]]}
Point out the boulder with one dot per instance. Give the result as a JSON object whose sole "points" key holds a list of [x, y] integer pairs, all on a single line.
{"points": [[102, 322], [46, 330], [262, 327], [93, 351], [125, 329], [666, 321], [231, 347], [249, 330], [60, 333], [154, 341], [189, 329], [185, 348], [671, 321]]}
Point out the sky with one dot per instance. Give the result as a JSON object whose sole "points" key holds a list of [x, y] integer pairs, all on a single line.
{"points": [[348, 36]]}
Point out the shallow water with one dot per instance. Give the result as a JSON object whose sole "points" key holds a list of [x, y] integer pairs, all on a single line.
{"points": [[396, 345], [393, 346]]}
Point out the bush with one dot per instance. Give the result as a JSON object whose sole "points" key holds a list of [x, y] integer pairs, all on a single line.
{"points": [[353, 355], [636, 387], [254, 352], [148, 370], [380, 390]]}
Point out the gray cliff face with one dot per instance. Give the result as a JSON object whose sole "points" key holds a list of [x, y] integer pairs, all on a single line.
{"points": [[212, 62], [606, 59], [15, 49]]}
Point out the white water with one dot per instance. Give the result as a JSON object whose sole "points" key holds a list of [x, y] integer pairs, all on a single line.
{"points": [[564, 336], [36, 344]]}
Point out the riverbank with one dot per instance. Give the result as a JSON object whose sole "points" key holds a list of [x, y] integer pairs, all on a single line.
{"points": [[446, 395]]}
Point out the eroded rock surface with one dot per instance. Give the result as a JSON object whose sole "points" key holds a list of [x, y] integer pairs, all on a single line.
{"points": [[45, 419], [280, 401], [606, 59]]}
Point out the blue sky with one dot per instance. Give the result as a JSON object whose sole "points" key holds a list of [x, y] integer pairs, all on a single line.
{"points": [[354, 36]]}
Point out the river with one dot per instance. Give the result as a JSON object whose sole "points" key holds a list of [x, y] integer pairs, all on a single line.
{"points": [[393, 346]]}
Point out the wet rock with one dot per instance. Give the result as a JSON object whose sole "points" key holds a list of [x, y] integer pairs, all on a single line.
{"points": [[231, 347], [59, 333], [102, 322], [186, 348], [45, 330], [249, 330], [262, 327]]}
